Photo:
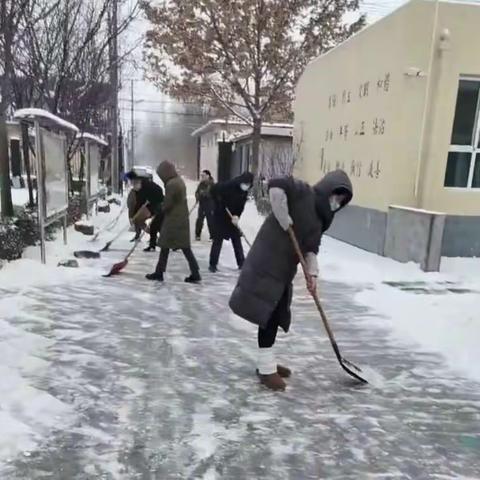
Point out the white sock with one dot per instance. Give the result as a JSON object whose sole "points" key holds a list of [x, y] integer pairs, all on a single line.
{"points": [[266, 361]]}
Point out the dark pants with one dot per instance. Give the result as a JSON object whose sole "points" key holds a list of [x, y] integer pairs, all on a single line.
{"points": [[155, 228], [267, 336], [237, 248], [163, 260], [138, 232], [204, 212]]}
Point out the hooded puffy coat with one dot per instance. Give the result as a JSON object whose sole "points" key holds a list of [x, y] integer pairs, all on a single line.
{"points": [[228, 195], [175, 232], [271, 264]]}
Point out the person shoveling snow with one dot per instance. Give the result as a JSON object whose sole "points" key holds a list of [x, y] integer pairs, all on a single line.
{"points": [[263, 294]]}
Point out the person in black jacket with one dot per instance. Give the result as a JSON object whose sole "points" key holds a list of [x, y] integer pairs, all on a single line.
{"points": [[149, 193], [203, 198], [229, 202]]}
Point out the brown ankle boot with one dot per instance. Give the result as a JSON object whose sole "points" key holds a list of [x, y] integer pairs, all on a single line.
{"points": [[284, 372], [273, 381]]}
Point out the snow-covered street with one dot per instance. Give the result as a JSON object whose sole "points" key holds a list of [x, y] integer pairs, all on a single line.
{"points": [[120, 378]]}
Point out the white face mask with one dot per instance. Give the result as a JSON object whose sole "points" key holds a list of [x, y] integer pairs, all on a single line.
{"points": [[245, 187], [334, 204]]}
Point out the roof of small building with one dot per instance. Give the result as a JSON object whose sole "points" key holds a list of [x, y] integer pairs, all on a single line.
{"points": [[45, 118], [282, 130], [93, 138], [274, 129], [216, 123]]}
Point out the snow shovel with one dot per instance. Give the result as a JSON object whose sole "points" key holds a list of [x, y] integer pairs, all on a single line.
{"points": [[93, 254], [349, 367], [118, 267], [239, 229]]}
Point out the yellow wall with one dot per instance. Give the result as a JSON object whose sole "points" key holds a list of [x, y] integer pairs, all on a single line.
{"points": [[462, 58], [383, 167]]}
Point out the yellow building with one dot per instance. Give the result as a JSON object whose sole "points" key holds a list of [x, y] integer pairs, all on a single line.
{"points": [[397, 107]]}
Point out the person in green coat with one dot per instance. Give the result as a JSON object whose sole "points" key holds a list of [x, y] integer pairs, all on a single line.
{"points": [[175, 232]]}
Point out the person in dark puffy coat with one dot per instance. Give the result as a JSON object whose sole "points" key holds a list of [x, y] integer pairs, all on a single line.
{"points": [[229, 199], [204, 200], [263, 294]]}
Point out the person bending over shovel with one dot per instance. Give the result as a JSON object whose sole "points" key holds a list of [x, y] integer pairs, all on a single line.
{"points": [[175, 232], [229, 202], [263, 294], [149, 196]]}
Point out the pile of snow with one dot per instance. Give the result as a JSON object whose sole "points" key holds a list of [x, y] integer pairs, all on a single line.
{"points": [[444, 321], [28, 413], [84, 223], [20, 196]]}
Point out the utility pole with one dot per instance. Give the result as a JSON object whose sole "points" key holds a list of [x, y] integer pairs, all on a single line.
{"points": [[114, 87], [132, 111]]}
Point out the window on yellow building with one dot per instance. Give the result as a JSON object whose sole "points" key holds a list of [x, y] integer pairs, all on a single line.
{"points": [[463, 164]]}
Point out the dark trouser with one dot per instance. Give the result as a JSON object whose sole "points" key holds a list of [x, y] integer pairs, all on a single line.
{"points": [[237, 248], [163, 260], [138, 232], [204, 212], [267, 335], [155, 228]]}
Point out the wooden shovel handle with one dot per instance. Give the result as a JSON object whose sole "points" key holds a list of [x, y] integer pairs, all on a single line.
{"points": [[238, 228], [303, 262]]}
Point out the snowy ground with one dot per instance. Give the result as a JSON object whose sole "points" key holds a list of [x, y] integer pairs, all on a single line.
{"points": [[122, 379]]}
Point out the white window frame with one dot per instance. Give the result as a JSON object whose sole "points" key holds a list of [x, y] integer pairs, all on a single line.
{"points": [[474, 148]]}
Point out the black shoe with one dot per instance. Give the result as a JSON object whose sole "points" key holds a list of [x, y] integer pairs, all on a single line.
{"points": [[155, 276], [134, 239], [149, 249], [194, 278], [198, 238], [212, 269]]}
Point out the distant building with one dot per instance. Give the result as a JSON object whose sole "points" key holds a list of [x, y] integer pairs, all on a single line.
{"points": [[210, 138], [397, 107], [225, 147], [275, 151]]}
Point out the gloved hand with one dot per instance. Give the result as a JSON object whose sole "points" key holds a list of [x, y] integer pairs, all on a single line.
{"points": [[235, 220]]}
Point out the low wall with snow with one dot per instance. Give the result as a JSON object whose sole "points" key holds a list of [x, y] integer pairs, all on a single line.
{"points": [[415, 236]]}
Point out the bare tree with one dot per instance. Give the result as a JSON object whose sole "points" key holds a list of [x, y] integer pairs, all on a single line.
{"points": [[62, 60], [243, 55], [11, 14]]}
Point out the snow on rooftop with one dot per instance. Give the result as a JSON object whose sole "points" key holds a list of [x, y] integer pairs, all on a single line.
{"points": [[238, 123], [217, 122], [272, 130], [45, 118], [93, 138]]}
